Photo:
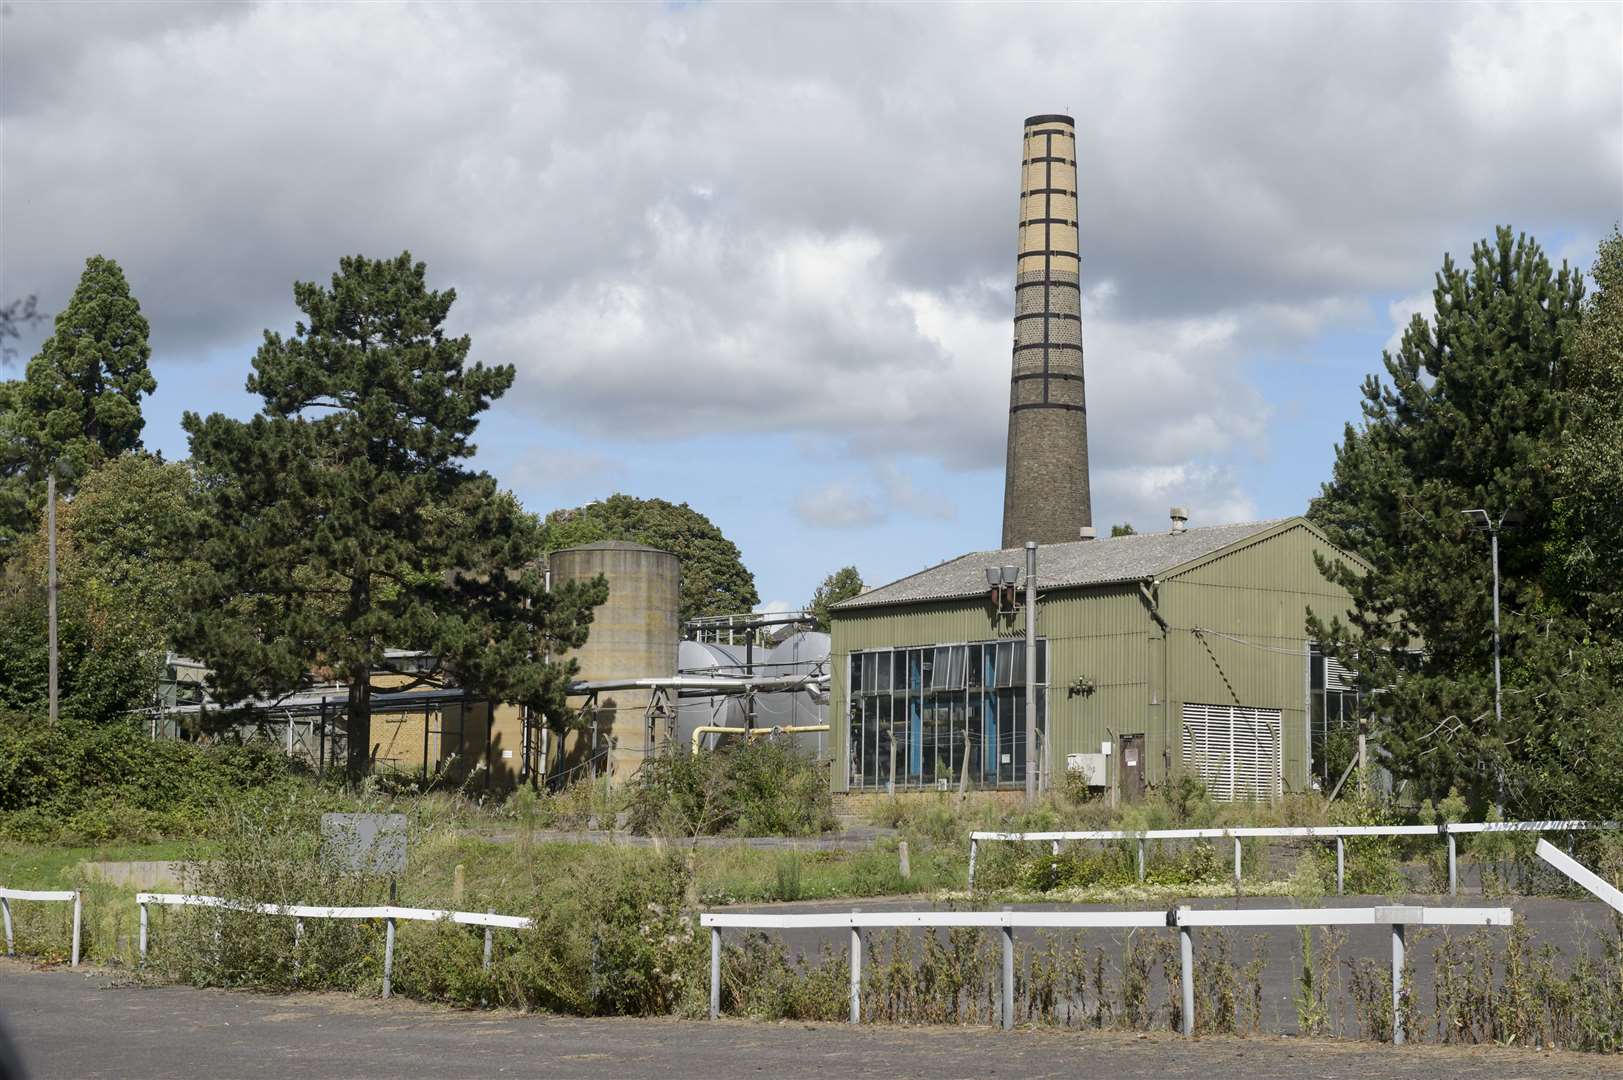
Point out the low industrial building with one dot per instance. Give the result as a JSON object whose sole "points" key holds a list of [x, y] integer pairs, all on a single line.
{"points": [[1179, 650]]}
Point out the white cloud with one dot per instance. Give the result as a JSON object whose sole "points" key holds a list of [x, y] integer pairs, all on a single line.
{"points": [[1402, 312], [838, 505], [747, 218]]}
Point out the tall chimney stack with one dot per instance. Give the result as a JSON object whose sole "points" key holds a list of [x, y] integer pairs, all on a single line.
{"points": [[1045, 489]]}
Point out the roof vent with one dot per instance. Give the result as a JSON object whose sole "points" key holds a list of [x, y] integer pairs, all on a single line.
{"points": [[1180, 519], [1087, 532]]}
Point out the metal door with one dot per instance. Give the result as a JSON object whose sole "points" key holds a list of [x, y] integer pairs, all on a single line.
{"points": [[1132, 766]]}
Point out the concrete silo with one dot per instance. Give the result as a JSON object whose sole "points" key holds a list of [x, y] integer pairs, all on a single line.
{"points": [[634, 636]]}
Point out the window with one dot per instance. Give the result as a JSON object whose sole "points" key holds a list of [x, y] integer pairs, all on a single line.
{"points": [[937, 712], [1334, 706], [1234, 749]]}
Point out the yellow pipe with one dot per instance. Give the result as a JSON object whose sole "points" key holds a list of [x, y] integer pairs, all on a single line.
{"points": [[720, 729]]}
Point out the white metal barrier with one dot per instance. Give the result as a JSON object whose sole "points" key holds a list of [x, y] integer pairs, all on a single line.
{"points": [[1339, 833], [1580, 873], [389, 913], [61, 895], [1185, 920]]}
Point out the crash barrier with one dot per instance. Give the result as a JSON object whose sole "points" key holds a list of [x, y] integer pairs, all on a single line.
{"points": [[1184, 920], [1339, 833], [63, 896], [389, 913]]}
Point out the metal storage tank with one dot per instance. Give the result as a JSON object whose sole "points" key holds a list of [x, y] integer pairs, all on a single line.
{"points": [[713, 659], [801, 655], [634, 636]]}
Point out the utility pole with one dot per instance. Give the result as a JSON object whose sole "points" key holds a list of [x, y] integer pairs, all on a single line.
{"points": [[50, 587], [1032, 760], [1498, 690]]}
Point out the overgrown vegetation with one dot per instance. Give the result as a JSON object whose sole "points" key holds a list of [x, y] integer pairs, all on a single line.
{"points": [[85, 782], [754, 787]]}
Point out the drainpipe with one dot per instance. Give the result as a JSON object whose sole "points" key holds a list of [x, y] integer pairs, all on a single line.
{"points": [[1033, 765], [1149, 589]]}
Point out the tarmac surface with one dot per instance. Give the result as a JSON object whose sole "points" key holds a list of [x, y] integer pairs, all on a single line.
{"points": [[82, 1026]]}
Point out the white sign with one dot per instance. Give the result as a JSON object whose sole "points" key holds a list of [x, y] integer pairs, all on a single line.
{"points": [[1104, 748]]}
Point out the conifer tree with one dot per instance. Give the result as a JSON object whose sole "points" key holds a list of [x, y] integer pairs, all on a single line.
{"points": [[842, 584], [1471, 419], [79, 401], [344, 523]]}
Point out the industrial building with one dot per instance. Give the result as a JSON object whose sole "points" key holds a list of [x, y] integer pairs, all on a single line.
{"points": [[1184, 649]]}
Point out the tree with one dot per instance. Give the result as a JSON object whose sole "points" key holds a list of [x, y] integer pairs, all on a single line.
{"points": [[714, 579], [123, 556], [1124, 529], [842, 584], [342, 523], [80, 399], [1471, 419], [14, 318]]}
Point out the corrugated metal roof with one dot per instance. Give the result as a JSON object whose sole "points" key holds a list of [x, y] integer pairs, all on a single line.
{"points": [[1080, 562]]}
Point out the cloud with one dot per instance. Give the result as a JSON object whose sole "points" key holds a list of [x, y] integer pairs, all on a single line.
{"points": [[838, 505], [696, 219]]}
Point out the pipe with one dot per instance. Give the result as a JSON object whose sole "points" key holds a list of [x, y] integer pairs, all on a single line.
{"points": [[722, 729]]}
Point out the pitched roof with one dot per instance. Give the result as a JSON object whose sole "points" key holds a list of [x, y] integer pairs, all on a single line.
{"points": [[1079, 562]]}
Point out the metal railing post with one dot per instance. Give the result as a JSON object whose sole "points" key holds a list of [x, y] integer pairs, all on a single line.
{"points": [[1453, 879], [490, 940], [298, 948], [856, 970], [1341, 865], [1236, 864], [1008, 976], [1186, 950], [715, 972], [5, 910], [1397, 984], [1141, 858], [973, 844], [146, 918], [78, 920], [388, 956]]}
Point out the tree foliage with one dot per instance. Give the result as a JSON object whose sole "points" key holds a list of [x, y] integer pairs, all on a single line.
{"points": [[79, 401], [123, 557], [842, 584], [343, 524], [714, 579], [1472, 418], [1124, 529]]}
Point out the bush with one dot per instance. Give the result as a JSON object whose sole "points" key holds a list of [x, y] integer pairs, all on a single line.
{"points": [[95, 782], [759, 787]]}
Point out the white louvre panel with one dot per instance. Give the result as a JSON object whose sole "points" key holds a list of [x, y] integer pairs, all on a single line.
{"points": [[1338, 676], [1234, 749]]}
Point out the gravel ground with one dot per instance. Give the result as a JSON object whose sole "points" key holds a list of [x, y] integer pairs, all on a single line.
{"points": [[71, 1025]]}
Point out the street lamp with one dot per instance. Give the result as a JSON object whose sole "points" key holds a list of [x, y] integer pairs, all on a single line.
{"points": [[1482, 521]]}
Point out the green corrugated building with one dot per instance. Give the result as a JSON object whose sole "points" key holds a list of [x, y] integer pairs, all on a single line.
{"points": [[1157, 652]]}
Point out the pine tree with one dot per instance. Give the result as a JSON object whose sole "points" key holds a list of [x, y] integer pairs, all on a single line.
{"points": [[345, 525], [79, 401], [1471, 419]]}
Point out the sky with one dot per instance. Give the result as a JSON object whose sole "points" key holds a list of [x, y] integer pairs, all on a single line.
{"points": [[760, 258]]}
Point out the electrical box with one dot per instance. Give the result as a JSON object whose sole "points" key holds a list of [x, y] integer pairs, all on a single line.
{"points": [[1091, 766]]}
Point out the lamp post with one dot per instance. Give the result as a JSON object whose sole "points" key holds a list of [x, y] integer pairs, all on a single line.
{"points": [[1484, 522]]}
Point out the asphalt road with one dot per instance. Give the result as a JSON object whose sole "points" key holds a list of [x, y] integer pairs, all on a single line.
{"points": [[79, 1026]]}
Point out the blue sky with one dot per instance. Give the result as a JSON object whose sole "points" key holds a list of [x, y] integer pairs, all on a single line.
{"points": [[759, 258]]}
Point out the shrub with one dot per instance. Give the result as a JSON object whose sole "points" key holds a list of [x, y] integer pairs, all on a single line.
{"points": [[95, 782], [758, 787]]}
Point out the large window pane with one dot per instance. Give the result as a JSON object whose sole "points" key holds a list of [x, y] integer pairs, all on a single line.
{"points": [[976, 675], [856, 673], [882, 672], [870, 675], [1005, 664]]}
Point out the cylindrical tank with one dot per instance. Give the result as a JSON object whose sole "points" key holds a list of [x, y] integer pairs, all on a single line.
{"points": [[634, 635], [714, 659], [802, 655]]}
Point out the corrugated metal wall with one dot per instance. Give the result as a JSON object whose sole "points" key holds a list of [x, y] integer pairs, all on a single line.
{"points": [[1252, 602]]}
